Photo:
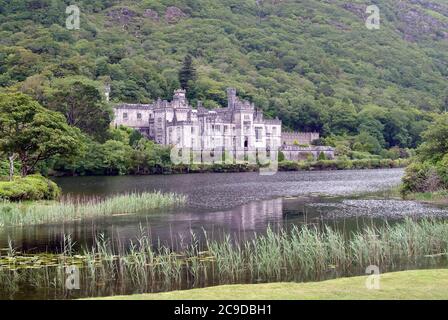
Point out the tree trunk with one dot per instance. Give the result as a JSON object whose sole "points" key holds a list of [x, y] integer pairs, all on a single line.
{"points": [[24, 168], [11, 166]]}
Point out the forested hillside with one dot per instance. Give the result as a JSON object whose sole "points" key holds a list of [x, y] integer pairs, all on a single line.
{"points": [[312, 63]]}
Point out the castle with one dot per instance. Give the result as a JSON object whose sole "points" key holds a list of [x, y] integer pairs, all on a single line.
{"points": [[238, 126]]}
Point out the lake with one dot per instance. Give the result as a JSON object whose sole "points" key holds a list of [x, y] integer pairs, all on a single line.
{"points": [[235, 204]]}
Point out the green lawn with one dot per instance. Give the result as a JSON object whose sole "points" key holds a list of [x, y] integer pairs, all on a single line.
{"points": [[419, 284]]}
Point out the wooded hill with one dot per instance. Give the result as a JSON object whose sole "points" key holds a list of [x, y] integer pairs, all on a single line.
{"points": [[312, 63]]}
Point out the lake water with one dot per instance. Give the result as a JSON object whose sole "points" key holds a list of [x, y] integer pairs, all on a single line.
{"points": [[239, 204], [235, 203]]}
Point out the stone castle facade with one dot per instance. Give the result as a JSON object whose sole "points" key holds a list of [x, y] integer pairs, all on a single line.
{"points": [[238, 126]]}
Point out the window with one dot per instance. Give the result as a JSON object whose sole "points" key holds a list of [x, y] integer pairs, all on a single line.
{"points": [[258, 133], [274, 131], [139, 116], [125, 116], [192, 130], [247, 117], [225, 129]]}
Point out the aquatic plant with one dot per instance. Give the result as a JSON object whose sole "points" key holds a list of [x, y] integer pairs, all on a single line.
{"points": [[305, 252], [72, 209]]}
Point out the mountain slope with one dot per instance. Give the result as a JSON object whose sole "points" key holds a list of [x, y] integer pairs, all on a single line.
{"points": [[305, 61]]}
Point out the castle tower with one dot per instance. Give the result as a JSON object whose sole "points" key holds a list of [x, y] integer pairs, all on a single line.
{"points": [[180, 96]]}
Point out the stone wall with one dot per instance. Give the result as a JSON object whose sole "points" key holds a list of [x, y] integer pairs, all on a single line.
{"points": [[300, 138], [297, 153]]}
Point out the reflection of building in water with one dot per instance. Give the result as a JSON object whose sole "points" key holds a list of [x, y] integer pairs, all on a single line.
{"points": [[239, 223]]}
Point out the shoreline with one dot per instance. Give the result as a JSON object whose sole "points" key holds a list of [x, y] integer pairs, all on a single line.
{"points": [[285, 166]]}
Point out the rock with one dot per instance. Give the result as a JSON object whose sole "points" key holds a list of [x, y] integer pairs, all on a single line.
{"points": [[174, 15], [151, 14], [413, 21], [122, 16], [358, 9], [416, 24]]}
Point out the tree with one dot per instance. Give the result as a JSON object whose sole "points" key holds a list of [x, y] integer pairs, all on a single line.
{"points": [[83, 106], [435, 145], [32, 133], [343, 118], [187, 74]]}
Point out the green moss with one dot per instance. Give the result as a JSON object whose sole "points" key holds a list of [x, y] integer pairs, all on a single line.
{"points": [[33, 187]]}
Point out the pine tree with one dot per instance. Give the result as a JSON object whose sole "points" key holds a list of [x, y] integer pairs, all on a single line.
{"points": [[187, 73]]}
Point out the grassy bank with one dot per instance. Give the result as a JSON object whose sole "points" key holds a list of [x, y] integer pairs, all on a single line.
{"points": [[436, 197], [66, 210], [419, 284], [33, 187], [282, 166], [293, 166], [342, 164]]}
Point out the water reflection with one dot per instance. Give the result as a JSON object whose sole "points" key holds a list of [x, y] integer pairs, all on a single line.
{"points": [[176, 228]]}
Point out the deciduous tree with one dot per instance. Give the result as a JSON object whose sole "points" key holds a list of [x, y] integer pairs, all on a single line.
{"points": [[32, 133]]}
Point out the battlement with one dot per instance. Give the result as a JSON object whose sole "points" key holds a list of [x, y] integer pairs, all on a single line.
{"points": [[294, 138]]}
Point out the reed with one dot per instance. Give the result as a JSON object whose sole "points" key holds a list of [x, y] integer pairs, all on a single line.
{"points": [[305, 252], [72, 209]]}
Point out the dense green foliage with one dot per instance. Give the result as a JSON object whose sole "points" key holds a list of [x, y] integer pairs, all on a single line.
{"points": [[33, 187], [429, 170], [370, 93], [33, 133], [312, 63], [187, 76]]}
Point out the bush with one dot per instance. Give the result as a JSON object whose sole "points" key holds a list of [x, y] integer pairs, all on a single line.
{"points": [[442, 170], [34, 187], [420, 177]]}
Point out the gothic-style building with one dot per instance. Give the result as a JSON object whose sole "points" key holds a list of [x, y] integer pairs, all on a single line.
{"points": [[239, 125]]}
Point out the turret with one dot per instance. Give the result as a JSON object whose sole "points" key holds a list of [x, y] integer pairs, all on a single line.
{"points": [[180, 95]]}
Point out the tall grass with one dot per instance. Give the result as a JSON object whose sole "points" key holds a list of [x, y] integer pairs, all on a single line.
{"points": [[72, 209], [303, 253]]}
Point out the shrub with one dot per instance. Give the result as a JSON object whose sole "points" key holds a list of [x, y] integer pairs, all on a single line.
{"points": [[322, 156], [33, 187], [442, 171], [281, 156], [420, 177]]}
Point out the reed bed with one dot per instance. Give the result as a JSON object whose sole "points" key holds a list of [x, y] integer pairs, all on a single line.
{"points": [[303, 253], [72, 209]]}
